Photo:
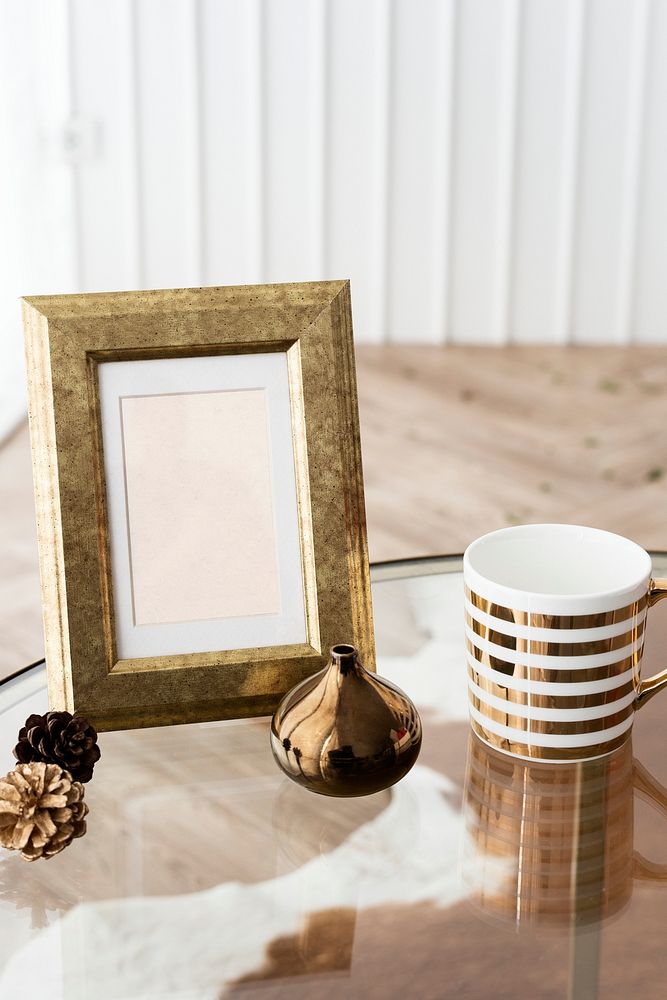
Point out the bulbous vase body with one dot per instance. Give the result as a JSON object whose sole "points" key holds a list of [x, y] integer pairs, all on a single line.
{"points": [[345, 731]]}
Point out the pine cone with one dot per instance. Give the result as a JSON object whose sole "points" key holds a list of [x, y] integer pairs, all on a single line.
{"points": [[41, 810], [59, 738]]}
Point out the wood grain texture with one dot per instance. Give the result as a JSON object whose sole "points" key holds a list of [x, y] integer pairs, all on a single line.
{"points": [[462, 440], [66, 337]]}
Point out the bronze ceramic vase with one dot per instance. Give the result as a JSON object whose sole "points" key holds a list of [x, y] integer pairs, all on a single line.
{"points": [[345, 731]]}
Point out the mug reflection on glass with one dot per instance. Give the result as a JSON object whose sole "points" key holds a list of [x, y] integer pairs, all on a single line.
{"points": [[554, 624], [545, 844]]}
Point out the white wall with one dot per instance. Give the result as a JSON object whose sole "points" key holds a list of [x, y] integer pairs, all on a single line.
{"points": [[484, 170]]}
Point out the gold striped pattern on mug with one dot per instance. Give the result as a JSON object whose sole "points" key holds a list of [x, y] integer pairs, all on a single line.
{"points": [[533, 619], [549, 686]]}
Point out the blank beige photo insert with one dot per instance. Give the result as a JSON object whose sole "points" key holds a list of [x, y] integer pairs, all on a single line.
{"points": [[199, 506]]}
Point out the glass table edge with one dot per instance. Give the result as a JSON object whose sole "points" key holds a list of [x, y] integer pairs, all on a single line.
{"points": [[381, 572]]}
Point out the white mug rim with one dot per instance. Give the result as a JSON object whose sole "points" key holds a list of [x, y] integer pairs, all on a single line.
{"points": [[556, 603]]}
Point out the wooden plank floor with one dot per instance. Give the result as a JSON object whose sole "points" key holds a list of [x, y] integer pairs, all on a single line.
{"points": [[456, 442], [462, 440]]}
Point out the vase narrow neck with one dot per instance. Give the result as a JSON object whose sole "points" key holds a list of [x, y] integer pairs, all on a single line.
{"points": [[344, 659]]}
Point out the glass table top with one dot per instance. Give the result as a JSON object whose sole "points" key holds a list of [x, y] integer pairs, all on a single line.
{"points": [[206, 873]]}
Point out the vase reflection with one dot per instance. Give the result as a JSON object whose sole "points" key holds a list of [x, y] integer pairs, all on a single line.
{"points": [[549, 844], [306, 827]]}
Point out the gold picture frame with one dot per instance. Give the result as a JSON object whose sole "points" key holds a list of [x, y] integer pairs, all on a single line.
{"points": [[68, 338]]}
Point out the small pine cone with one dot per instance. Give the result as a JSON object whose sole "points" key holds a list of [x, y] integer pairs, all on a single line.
{"points": [[41, 810], [59, 738]]}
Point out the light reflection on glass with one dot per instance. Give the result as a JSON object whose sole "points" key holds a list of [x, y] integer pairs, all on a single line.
{"points": [[553, 843]]}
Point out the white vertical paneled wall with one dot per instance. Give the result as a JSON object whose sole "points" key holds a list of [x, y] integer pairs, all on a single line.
{"points": [[38, 239], [610, 134], [293, 115], [232, 121], [107, 165], [167, 100], [549, 58], [482, 166], [648, 298], [486, 171], [359, 49], [416, 230]]}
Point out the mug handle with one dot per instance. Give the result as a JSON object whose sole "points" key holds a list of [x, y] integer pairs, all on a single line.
{"points": [[647, 688], [655, 794]]}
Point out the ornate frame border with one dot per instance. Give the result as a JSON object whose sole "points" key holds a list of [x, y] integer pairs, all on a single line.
{"points": [[67, 336]]}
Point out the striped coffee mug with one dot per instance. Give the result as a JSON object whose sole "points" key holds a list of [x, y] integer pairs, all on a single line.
{"points": [[554, 632]]}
